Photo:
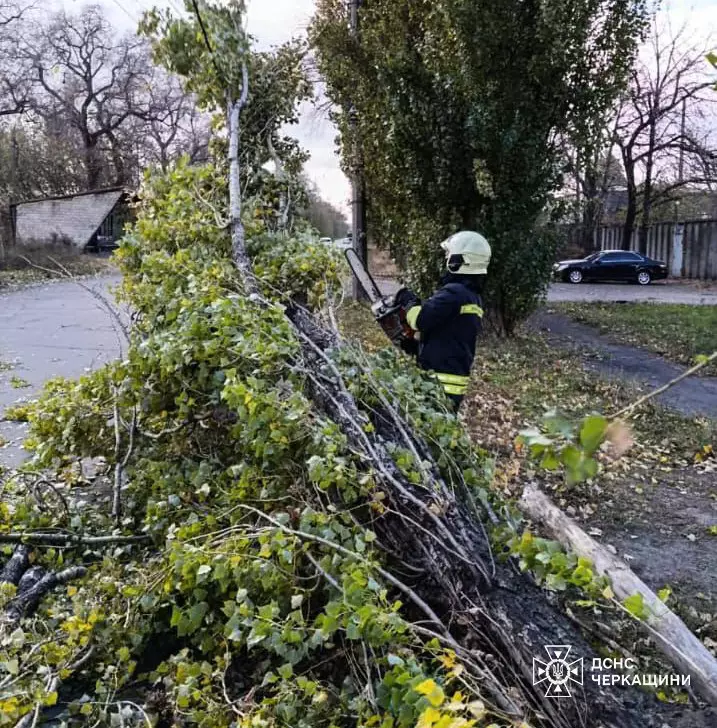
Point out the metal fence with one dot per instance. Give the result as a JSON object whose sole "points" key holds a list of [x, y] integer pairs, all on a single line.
{"points": [[689, 248]]}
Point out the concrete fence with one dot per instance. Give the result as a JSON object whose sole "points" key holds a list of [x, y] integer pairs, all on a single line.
{"points": [[689, 249]]}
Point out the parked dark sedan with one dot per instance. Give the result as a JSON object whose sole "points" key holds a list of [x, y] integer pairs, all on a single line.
{"points": [[612, 265]]}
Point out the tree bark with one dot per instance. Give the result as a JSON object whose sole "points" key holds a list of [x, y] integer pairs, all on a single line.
{"points": [[29, 597], [631, 213], [239, 254], [678, 644], [647, 193], [93, 165], [16, 566]]}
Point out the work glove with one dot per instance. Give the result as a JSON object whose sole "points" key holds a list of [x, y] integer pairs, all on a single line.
{"points": [[406, 299], [409, 346]]}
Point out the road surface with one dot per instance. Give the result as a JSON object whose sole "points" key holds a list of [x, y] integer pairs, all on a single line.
{"points": [[669, 292], [47, 330], [691, 397]]}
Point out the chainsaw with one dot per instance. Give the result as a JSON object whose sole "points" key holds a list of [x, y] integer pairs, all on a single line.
{"points": [[388, 314]]}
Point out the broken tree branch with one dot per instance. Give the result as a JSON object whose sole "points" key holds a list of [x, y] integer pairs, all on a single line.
{"points": [[28, 599], [63, 539], [679, 645]]}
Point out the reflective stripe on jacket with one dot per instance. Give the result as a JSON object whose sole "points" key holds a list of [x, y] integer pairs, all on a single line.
{"points": [[449, 323]]}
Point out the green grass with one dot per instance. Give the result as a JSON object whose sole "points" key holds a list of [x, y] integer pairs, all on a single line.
{"points": [[357, 325], [676, 331]]}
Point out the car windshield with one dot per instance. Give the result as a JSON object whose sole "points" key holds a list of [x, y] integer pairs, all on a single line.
{"points": [[592, 258]]}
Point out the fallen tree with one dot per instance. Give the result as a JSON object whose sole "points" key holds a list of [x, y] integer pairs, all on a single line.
{"points": [[314, 515], [320, 545]]}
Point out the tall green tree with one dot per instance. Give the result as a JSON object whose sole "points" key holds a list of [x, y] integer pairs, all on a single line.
{"points": [[460, 109]]}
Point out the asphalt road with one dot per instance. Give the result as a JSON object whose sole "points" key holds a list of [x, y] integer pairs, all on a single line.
{"points": [[48, 330], [691, 397], [668, 292]]}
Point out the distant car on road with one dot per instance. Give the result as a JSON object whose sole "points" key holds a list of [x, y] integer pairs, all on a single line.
{"points": [[611, 265], [326, 241]]}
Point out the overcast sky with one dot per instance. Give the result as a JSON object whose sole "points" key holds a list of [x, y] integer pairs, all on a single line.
{"points": [[275, 21]]}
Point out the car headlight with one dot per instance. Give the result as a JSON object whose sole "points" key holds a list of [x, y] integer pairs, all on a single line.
{"points": [[559, 266]]}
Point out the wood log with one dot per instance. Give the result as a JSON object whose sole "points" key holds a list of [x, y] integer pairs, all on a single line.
{"points": [[16, 566], [28, 599], [688, 655]]}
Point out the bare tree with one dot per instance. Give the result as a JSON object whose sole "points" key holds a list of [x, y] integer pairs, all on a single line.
{"points": [[662, 129], [91, 82], [14, 82], [590, 177], [174, 125]]}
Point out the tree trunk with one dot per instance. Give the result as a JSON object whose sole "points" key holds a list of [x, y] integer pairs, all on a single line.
{"points": [[93, 165], [239, 254], [631, 213], [630, 216], [681, 647], [646, 206]]}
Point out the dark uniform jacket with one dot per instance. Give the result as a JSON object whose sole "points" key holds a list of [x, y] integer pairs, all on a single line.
{"points": [[449, 323]]}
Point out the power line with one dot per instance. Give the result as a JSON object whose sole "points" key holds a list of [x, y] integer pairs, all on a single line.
{"points": [[125, 11], [206, 39]]}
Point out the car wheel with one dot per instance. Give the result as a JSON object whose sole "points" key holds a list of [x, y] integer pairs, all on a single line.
{"points": [[575, 276], [644, 277]]}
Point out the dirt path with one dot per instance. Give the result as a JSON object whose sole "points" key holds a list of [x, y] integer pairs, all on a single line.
{"points": [[692, 397], [47, 330]]}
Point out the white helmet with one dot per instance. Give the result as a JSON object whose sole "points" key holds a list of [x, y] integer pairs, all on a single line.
{"points": [[467, 253]]}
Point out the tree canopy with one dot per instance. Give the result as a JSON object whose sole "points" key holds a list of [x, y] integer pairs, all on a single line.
{"points": [[459, 108]]}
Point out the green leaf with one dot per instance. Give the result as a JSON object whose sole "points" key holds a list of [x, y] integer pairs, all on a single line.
{"points": [[555, 582], [592, 433], [664, 594], [635, 604], [550, 461]]}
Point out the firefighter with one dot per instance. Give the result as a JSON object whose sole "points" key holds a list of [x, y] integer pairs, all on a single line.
{"points": [[448, 323]]}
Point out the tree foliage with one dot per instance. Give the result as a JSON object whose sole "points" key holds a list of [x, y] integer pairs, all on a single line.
{"points": [[258, 589], [329, 221], [459, 107], [279, 82], [254, 584]]}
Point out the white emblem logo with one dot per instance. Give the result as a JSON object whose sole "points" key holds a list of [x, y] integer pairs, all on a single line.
{"points": [[558, 671]]}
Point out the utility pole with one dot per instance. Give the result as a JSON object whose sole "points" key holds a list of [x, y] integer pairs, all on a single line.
{"points": [[682, 141], [681, 167], [358, 188]]}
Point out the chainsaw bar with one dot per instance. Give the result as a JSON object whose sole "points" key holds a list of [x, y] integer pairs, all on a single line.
{"points": [[363, 276]]}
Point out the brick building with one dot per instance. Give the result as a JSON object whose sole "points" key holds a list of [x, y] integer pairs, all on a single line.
{"points": [[87, 220]]}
